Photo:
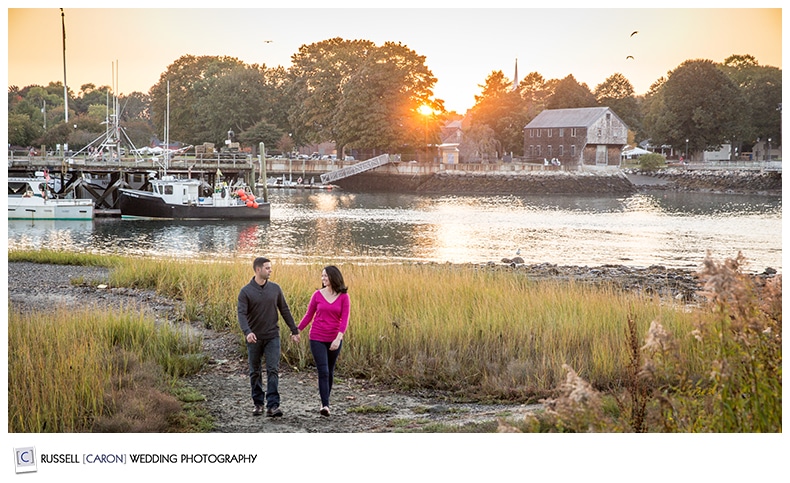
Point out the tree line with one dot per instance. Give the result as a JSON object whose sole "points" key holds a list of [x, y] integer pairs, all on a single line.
{"points": [[371, 99]]}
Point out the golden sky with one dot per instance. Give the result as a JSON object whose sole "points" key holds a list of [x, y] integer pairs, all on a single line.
{"points": [[462, 46]]}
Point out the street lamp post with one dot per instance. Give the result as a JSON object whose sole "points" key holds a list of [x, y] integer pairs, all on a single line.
{"points": [[768, 153], [686, 156]]}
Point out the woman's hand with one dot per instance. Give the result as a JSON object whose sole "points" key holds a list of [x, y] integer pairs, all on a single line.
{"points": [[335, 345]]}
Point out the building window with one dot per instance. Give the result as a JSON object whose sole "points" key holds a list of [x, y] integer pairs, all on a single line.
{"points": [[532, 133], [538, 132], [573, 132], [549, 150], [562, 132], [573, 150], [562, 151], [531, 150], [548, 131], [537, 149]]}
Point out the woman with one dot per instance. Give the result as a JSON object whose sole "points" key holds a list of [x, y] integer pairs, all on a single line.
{"points": [[328, 311]]}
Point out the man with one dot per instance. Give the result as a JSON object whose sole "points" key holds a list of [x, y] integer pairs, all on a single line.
{"points": [[258, 306]]}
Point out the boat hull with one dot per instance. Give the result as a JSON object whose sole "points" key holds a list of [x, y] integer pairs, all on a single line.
{"points": [[37, 208], [144, 205]]}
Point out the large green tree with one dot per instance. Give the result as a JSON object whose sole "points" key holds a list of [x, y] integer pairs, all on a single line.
{"points": [[568, 93], [380, 104], [318, 76], [699, 103], [502, 109], [762, 89], [230, 99], [357, 94], [535, 91], [190, 79]]}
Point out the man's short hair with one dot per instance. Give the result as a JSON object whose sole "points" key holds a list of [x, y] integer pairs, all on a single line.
{"points": [[258, 262]]}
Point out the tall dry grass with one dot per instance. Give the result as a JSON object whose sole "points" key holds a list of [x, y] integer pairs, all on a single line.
{"points": [[477, 332], [94, 369], [474, 331], [736, 343]]}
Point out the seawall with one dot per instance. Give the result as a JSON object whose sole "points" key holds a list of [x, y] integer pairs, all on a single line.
{"points": [[526, 183], [612, 182], [714, 181]]}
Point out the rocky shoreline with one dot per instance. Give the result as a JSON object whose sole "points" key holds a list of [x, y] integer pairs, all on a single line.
{"points": [[593, 182], [718, 181]]}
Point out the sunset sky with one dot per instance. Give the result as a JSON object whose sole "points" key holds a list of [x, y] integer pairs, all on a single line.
{"points": [[462, 46]]}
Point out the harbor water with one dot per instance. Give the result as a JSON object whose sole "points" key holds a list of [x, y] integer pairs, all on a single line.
{"points": [[672, 229]]}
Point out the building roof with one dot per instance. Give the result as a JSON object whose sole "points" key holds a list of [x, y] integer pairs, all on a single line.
{"points": [[578, 117]]}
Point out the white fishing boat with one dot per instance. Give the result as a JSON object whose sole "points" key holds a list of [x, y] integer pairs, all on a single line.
{"points": [[30, 207], [19, 186]]}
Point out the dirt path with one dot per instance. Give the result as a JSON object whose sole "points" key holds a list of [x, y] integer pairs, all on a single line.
{"points": [[224, 381]]}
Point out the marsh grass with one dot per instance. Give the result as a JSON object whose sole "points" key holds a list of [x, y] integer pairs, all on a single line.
{"points": [[476, 332], [95, 370], [487, 334], [59, 257], [737, 344]]}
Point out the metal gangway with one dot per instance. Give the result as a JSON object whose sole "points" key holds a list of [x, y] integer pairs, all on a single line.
{"points": [[357, 168]]}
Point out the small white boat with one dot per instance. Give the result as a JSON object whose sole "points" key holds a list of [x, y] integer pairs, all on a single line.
{"points": [[39, 208]]}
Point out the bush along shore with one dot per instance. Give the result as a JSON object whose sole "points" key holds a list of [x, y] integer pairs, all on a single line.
{"points": [[602, 356]]}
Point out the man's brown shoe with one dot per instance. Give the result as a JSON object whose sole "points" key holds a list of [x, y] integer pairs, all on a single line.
{"points": [[257, 411], [274, 412]]}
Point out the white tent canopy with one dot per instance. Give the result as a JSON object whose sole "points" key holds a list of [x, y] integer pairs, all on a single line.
{"points": [[636, 151]]}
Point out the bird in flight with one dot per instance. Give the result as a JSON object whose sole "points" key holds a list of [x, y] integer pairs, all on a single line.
{"points": [[267, 41], [629, 57], [634, 33]]}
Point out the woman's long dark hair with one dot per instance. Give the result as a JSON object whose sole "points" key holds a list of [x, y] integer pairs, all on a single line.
{"points": [[336, 282]]}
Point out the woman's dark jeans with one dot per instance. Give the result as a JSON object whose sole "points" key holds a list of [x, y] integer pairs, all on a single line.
{"points": [[325, 363]]}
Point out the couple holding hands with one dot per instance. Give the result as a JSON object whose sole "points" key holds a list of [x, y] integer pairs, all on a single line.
{"points": [[259, 304]]}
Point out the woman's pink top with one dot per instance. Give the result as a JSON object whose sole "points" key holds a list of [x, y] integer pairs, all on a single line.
{"points": [[329, 318]]}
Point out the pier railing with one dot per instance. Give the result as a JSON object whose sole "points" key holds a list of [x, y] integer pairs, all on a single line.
{"points": [[357, 168]]}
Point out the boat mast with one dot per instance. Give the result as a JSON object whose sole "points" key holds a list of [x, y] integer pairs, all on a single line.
{"points": [[65, 87], [167, 129], [116, 126]]}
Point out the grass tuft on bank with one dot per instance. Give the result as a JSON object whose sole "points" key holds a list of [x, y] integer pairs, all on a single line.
{"points": [[95, 370]]}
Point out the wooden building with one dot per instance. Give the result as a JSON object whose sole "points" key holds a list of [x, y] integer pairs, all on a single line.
{"points": [[580, 137]]}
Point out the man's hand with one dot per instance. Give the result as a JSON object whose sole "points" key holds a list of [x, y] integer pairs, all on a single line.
{"points": [[251, 338], [296, 338]]}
